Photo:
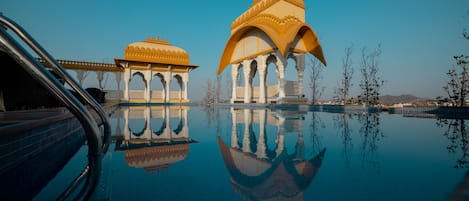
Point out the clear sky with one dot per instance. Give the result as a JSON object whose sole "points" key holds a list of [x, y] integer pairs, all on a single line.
{"points": [[418, 37]]}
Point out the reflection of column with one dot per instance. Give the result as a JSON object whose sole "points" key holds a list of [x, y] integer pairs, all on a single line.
{"points": [[262, 67], [234, 131], [247, 83], [126, 124], [118, 127], [280, 141], [186, 126], [261, 153], [148, 132], [168, 132], [234, 81], [247, 125]]}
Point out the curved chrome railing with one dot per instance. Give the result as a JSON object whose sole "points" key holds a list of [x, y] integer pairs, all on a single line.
{"points": [[96, 147]]}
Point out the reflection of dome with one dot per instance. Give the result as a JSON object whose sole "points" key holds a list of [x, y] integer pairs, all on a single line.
{"points": [[156, 51], [259, 179], [157, 157]]}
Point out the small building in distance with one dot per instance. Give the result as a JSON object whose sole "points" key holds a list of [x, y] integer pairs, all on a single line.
{"points": [[156, 60]]}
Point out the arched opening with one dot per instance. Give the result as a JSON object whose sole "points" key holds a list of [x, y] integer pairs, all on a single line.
{"points": [[291, 72], [272, 80], [137, 86], [176, 88], [240, 84], [157, 87]]}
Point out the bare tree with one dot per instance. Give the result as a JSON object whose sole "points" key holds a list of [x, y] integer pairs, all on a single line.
{"points": [[370, 84], [218, 89], [458, 87], [209, 93], [315, 80], [342, 91]]}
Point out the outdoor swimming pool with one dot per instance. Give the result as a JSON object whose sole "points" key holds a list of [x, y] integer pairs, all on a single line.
{"points": [[193, 153]]}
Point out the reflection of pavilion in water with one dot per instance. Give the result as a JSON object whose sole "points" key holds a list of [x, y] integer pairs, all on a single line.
{"points": [[260, 173], [154, 148]]}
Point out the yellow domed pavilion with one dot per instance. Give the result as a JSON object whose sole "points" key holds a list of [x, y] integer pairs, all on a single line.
{"points": [[270, 32], [156, 57]]}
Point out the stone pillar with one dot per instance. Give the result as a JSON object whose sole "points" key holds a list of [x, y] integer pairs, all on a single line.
{"points": [[234, 80], [185, 80], [118, 80], [234, 131], [262, 67], [100, 77], [148, 78], [247, 83], [186, 124], [127, 78], [281, 73], [81, 75], [168, 78]]}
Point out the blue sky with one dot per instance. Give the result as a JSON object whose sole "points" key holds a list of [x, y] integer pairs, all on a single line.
{"points": [[418, 37]]}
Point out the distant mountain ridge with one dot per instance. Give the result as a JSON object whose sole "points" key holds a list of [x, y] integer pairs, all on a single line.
{"points": [[406, 98]]}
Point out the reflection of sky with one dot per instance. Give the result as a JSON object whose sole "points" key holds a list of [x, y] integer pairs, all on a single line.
{"points": [[410, 162]]}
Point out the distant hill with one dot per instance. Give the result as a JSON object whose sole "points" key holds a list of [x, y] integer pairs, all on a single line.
{"points": [[407, 98]]}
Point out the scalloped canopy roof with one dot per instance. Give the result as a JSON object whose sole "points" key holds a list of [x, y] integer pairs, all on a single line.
{"points": [[281, 30]]}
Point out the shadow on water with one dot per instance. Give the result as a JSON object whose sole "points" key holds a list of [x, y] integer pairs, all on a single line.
{"points": [[259, 171]]}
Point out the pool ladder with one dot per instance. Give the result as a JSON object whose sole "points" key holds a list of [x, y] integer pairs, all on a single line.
{"points": [[98, 142]]}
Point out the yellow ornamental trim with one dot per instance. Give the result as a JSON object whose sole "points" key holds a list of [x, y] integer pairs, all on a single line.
{"points": [[156, 55], [259, 6]]}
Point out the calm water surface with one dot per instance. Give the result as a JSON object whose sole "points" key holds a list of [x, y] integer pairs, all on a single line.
{"points": [[182, 153]]}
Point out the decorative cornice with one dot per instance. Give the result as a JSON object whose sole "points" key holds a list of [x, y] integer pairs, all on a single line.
{"points": [[156, 55], [260, 5]]}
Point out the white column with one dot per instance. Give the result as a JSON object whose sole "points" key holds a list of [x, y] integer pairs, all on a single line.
{"points": [[262, 67], [185, 80], [281, 73], [148, 77], [234, 131], [186, 126], [234, 80], [247, 83], [167, 77], [118, 80], [100, 77], [126, 83], [81, 75]]}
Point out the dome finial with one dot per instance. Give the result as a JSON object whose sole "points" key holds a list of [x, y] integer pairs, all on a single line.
{"points": [[157, 40]]}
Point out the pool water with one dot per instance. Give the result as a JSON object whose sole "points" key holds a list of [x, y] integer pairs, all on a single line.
{"points": [[193, 153]]}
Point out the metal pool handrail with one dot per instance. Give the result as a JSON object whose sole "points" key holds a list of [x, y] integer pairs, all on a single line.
{"points": [[96, 147]]}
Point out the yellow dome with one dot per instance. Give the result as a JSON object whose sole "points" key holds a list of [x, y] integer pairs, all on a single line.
{"points": [[156, 51]]}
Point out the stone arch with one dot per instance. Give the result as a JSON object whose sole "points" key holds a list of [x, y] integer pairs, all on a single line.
{"points": [[158, 85], [136, 91]]}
